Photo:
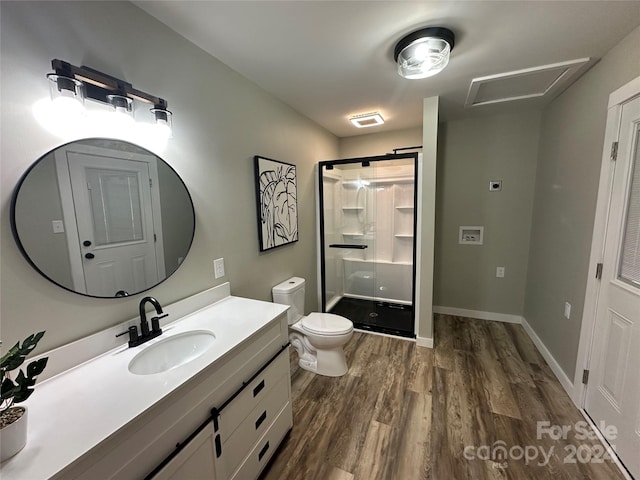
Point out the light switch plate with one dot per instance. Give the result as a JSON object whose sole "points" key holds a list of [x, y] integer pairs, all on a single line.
{"points": [[58, 226], [218, 267], [500, 272]]}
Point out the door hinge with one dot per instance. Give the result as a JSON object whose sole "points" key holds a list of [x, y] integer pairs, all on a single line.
{"points": [[155, 238], [151, 182], [599, 271], [614, 151], [585, 376]]}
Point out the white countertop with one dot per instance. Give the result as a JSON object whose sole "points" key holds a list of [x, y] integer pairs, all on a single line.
{"points": [[75, 411]]}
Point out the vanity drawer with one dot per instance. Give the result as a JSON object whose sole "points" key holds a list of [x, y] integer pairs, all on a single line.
{"points": [[233, 414], [266, 446], [254, 426]]}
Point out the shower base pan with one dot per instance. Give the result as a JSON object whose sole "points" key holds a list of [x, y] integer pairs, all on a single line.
{"points": [[382, 317]]}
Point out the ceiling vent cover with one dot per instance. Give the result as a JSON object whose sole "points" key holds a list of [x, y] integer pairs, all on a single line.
{"points": [[543, 81]]}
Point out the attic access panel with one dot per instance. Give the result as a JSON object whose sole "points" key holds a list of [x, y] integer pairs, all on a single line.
{"points": [[545, 80]]}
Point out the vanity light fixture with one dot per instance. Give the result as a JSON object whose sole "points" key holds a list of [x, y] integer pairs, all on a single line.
{"points": [[122, 107], [67, 94], [424, 52], [71, 85], [363, 120]]}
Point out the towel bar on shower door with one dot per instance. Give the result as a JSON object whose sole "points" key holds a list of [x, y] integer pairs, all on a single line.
{"points": [[347, 245]]}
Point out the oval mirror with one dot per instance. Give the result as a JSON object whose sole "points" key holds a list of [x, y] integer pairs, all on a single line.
{"points": [[103, 218]]}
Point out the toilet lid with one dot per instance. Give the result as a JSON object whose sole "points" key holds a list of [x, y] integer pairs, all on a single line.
{"points": [[326, 324]]}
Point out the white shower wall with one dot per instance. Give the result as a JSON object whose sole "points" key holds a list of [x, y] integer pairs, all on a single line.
{"points": [[372, 206]]}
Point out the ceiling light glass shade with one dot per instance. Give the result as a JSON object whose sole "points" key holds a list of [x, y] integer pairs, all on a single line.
{"points": [[424, 53], [67, 95], [163, 122], [122, 108]]}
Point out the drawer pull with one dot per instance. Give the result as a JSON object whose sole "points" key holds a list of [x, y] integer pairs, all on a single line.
{"points": [[258, 388], [218, 446], [261, 419], [263, 451]]}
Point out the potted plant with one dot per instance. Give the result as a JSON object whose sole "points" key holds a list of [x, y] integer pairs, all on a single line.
{"points": [[13, 420]]}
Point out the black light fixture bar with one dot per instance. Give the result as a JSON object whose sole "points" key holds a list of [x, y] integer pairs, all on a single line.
{"points": [[99, 85]]}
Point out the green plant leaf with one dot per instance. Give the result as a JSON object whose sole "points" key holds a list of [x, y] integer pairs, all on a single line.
{"points": [[36, 368], [8, 389], [12, 359], [22, 395]]}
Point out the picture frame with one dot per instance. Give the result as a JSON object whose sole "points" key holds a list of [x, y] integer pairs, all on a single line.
{"points": [[276, 201]]}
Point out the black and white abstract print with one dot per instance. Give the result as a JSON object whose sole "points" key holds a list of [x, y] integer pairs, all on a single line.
{"points": [[276, 192]]}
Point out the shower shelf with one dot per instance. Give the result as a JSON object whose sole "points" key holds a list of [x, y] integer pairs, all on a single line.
{"points": [[352, 208], [404, 208], [349, 234], [402, 235]]}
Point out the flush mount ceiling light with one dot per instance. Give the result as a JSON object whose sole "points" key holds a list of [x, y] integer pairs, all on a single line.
{"points": [[424, 52], [364, 120], [71, 86]]}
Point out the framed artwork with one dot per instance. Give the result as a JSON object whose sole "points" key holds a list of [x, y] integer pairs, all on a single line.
{"points": [[277, 202]]}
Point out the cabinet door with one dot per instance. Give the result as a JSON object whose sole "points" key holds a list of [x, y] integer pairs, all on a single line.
{"points": [[194, 462]]}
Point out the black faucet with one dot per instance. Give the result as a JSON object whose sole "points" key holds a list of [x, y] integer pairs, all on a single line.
{"points": [[145, 334]]}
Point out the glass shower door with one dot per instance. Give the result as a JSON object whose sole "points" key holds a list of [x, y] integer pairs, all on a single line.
{"points": [[367, 227], [349, 233]]}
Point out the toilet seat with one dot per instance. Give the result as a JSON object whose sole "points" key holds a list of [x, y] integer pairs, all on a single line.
{"points": [[326, 324]]}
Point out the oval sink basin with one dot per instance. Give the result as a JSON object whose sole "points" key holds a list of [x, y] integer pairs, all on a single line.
{"points": [[172, 352]]}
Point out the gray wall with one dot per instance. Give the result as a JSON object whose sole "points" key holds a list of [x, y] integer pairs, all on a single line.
{"points": [[176, 225], [471, 153], [39, 204], [371, 144], [569, 163], [221, 120]]}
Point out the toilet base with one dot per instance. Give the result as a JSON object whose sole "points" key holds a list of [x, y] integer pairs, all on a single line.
{"points": [[328, 362]]}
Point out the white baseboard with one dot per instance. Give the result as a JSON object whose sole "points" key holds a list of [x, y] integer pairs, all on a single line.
{"points": [[424, 342], [546, 354], [462, 312]]}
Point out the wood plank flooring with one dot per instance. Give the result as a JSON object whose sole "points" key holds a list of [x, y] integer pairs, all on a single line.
{"points": [[404, 412]]}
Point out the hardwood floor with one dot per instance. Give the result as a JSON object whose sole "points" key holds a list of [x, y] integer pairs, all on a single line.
{"points": [[405, 412]]}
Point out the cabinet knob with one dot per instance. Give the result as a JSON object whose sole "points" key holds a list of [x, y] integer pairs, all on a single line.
{"points": [[89, 255]]}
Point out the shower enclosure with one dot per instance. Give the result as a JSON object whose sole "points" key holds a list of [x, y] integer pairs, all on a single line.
{"points": [[367, 241]]}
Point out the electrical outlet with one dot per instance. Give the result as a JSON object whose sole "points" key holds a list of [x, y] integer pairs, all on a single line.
{"points": [[218, 267], [500, 272], [567, 310]]}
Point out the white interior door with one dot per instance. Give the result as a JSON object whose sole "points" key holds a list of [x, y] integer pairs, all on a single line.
{"points": [[112, 200], [613, 393]]}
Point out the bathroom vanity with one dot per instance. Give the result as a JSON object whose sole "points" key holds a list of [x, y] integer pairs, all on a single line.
{"points": [[218, 416]]}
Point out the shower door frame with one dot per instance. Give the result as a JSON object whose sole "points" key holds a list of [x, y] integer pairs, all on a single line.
{"points": [[321, 238]]}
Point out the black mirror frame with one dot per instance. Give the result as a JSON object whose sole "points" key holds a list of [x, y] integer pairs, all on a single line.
{"points": [[14, 228]]}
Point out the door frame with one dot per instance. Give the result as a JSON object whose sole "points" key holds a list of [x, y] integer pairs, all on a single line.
{"points": [[619, 97]]}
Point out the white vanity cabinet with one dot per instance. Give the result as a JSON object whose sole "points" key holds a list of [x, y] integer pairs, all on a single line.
{"points": [[243, 432], [224, 423], [196, 461]]}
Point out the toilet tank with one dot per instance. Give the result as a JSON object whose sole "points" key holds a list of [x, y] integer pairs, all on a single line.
{"points": [[291, 292]]}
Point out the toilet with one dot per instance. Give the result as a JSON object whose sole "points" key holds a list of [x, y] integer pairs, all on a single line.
{"points": [[318, 338]]}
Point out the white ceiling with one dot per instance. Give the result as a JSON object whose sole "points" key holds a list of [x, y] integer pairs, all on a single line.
{"points": [[331, 59]]}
